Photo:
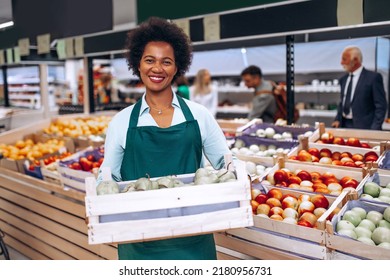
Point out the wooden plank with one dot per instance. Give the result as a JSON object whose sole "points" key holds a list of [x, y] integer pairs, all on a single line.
{"points": [[31, 240], [137, 230], [222, 257], [66, 205], [40, 238], [24, 249], [106, 251], [258, 251], [19, 178], [286, 243], [164, 199], [356, 248], [44, 210]]}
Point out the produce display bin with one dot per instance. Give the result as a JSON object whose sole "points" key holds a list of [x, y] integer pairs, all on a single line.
{"points": [[384, 161], [75, 179], [347, 248], [186, 210], [295, 130], [373, 138], [379, 178], [287, 240]]}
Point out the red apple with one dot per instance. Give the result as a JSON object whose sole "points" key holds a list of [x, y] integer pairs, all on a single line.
{"points": [[314, 152], [255, 192], [305, 206], [319, 211], [261, 198], [357, 157], [287, 195], [350, 164], [319, 185], [294, 180], [310, 217], [304, 175], [352, 183], [346, 154], [325, 160], [315, 176], [325, 152], [334, 187], [339, 141], [276, 211], [290, 212], [336, 155], [337, 162], [290, 202], [371, 158], [346, 159], [280, 176], [276, 217], [263, 209], [304, 155], [294, 186], [304, 223], [352, 141], [344, 179], [275, 193], [272, 202], [254, 205], [365, 145], [303, 197], [320, 201], [315, 159], [327, 137]]}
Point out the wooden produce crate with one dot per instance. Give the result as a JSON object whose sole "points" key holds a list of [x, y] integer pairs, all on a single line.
{"points": [[304, 144], [75, 179], [50, 173], [384, 160], [343, 247], [232, 127], [373, 138], [180, 211], [379, 178], [338, 172], [283, 240]]}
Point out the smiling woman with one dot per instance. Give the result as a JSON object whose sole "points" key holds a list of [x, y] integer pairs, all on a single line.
{"points": [[162, 134]]}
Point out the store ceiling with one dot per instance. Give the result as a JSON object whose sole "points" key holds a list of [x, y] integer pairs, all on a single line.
{"points": [[5, 11]]}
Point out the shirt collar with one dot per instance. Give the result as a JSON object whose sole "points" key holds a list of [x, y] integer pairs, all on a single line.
{"points": [[145, 107], [357, 72]]}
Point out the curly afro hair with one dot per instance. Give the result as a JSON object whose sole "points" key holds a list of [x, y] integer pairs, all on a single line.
{"points": [[158, 30]]}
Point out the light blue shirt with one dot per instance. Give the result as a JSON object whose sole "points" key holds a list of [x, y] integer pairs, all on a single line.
{"points": [[213, 140]]}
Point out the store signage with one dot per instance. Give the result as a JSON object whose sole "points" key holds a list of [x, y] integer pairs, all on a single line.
{"points": [[349, 12], [211, 28], [79, 46], [2, 61], [10, 58], [61, 49], [17, 55], [43, 43], [183, 24], [24, 46], [69, 47]]}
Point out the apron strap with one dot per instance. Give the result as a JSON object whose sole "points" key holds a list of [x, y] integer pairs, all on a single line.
{"points": [[186, 111]]}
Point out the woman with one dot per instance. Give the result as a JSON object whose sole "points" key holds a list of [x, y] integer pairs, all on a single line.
{"points": [[203, 92], [162, 134]]}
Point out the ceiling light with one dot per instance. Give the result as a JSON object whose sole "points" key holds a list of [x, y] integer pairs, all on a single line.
{"points": [[6, 24]]}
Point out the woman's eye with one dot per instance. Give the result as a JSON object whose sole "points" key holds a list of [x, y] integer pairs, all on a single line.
{"points": [[148, 60], [167, 62]]}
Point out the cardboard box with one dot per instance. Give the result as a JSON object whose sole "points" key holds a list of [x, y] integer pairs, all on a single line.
{"points": [[167, 213]]}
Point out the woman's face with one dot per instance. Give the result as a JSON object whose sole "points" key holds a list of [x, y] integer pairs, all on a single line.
{"points": [[157, 66]]}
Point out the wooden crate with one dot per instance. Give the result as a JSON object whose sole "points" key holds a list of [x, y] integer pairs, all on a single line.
{"points": [[384, 160], [286, 240], [345, 247], [231, 127], [196, 210], [373, 138], [377, 177], [50, 173], [75, 179], [304, 144]]}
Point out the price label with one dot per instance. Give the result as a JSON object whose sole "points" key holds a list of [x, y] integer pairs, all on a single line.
{"points": [[17, 55], [43, 43], [24, 46]]}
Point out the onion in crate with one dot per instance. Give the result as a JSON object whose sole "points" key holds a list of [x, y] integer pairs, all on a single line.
{"points": [[250, 167], [254, 148], [269, 132]]}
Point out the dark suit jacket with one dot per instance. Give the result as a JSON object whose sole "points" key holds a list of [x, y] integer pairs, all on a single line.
{"points": [[369, 104]]}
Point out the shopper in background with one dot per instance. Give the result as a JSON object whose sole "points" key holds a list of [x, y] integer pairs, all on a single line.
{"points": [[162, 134], [204, 92], [106, 91], [366, 105], [263, 103], [183, 88]]}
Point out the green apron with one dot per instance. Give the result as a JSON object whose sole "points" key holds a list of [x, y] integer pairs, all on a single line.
{"points": [[161, 152]]}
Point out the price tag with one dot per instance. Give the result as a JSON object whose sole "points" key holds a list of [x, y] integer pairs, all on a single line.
{"points": [[17, 55], [349, 12], [69, 47], [24, 46], [43, 43], [211, 28], [183, 24], [10, 57], [61, 49], [79, 46], [2, 61]]}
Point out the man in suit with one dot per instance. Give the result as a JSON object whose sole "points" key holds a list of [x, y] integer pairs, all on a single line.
{"points": [[363, 103]]}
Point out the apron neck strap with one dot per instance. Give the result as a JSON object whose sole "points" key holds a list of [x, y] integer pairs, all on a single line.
{"points": [[137, 107]]}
